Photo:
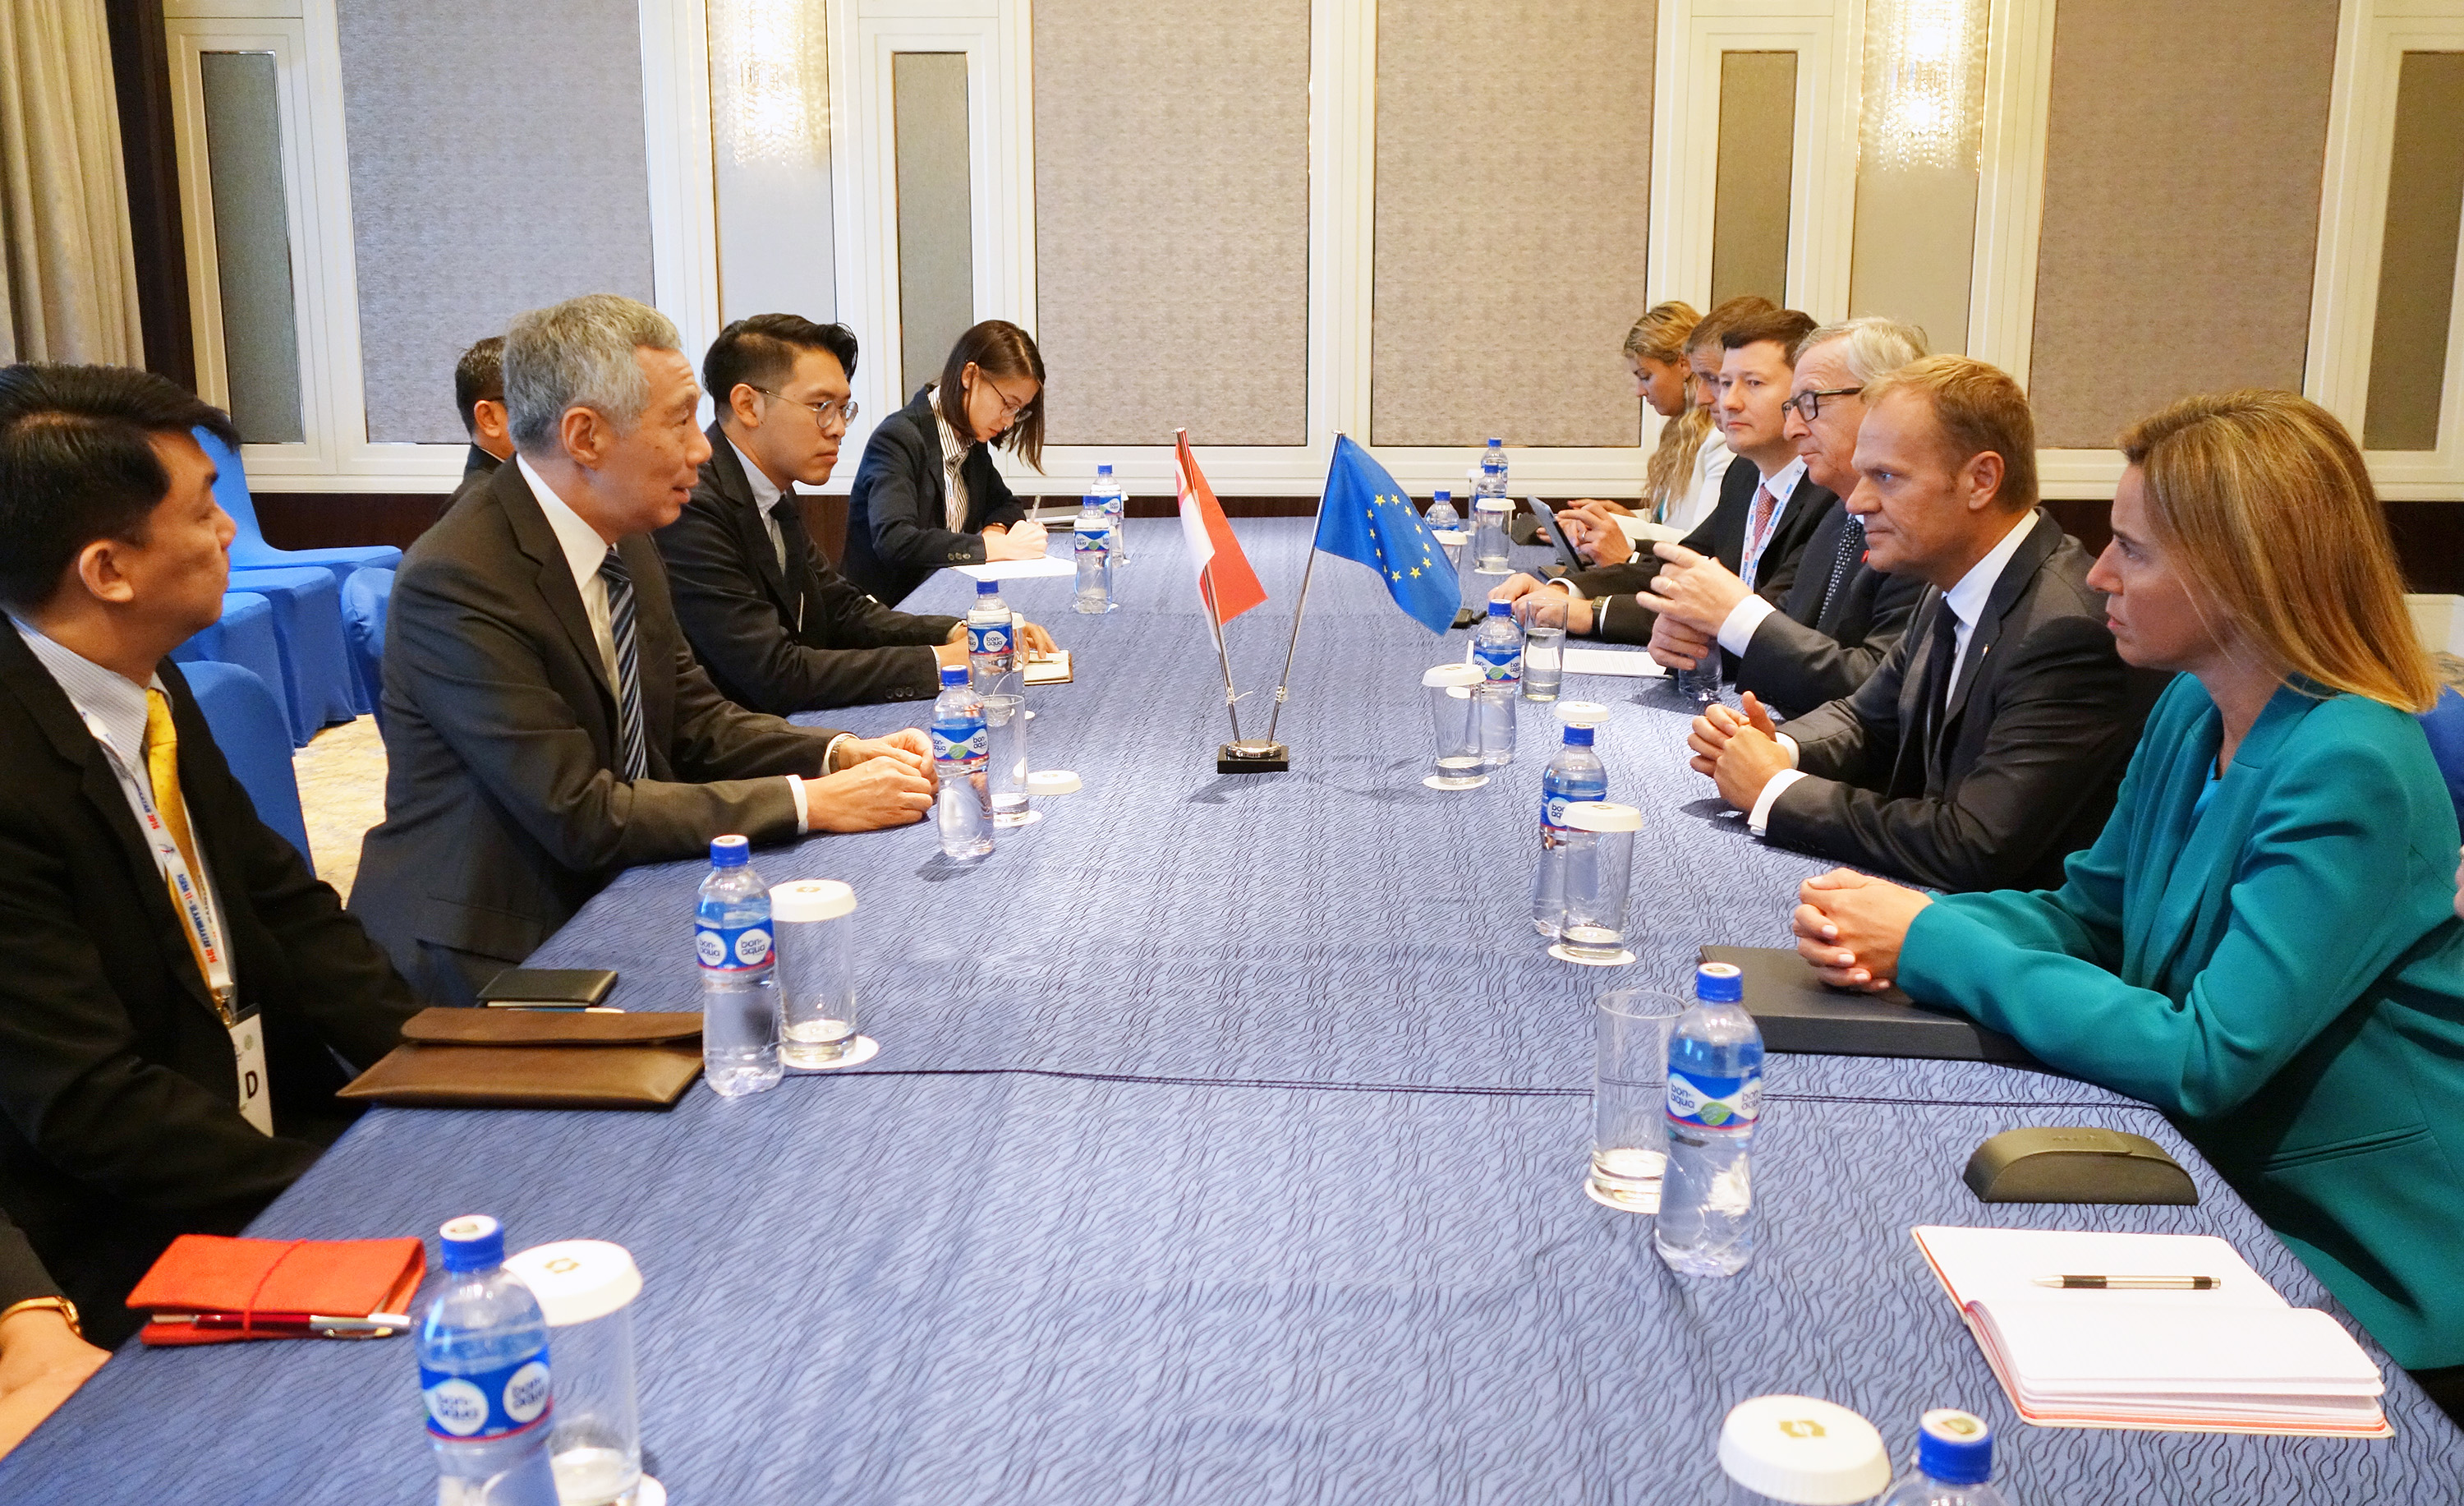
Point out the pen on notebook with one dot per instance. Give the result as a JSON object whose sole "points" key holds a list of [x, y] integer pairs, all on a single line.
{"points": [[289, 1323], [2134, 1283]]}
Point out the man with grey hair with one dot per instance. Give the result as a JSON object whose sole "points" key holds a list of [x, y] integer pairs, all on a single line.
{"points": [[1840, 617], [546, 724]]}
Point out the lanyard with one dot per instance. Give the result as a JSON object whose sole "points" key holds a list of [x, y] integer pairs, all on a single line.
{"points": [[195, 904], [1758, 540]]}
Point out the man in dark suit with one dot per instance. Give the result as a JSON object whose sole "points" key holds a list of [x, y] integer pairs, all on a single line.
{"points": [[1767, 509], [1990, 744], [545, 724], [179, 995], [479, 397], [778, 629], [1841, 617]]}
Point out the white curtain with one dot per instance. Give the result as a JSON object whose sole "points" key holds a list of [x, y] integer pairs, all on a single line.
{"points": [[71, 289]]}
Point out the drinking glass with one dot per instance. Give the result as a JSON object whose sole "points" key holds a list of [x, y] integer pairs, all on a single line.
{"points": [[816, 968], [1630, 1095], [1006, 728], [1544, 644], [1599, 862], [1454, 719], [1701, 684]]}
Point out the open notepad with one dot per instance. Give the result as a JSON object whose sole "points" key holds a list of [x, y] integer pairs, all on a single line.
{"points": [[2236, 1359]]}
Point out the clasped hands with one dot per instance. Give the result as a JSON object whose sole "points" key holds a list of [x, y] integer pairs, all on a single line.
{"points": [[1851, 927], [1693, 594], [1738, 753], [872, 782]]}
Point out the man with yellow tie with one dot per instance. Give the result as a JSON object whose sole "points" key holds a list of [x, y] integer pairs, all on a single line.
{"points": [[179, 995]]}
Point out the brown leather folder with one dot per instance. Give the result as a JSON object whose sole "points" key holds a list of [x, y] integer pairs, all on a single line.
{"points": [[526, 1060]]}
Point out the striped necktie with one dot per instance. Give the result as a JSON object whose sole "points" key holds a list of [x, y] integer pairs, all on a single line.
{"points": [[1757, 535], [632, 756], [1852, 548]]}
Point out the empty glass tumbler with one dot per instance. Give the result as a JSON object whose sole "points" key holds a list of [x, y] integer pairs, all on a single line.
{"points": [[816, 968], [1544, 644], [1006, 723], [1599, 863], [1702, 684], [1630, 1097], [585, 1287], [1454, 718]]}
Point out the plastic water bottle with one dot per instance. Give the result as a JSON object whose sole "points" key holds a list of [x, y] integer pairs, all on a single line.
{"points": [[1093, 537], [1497, 652], [992, 642], [1715, 1092], [1575, 774], [1441, 511], [1117, 507], [1954, 1462], [740, 980], [962, 755], [1491, 511], [483, 1373]]}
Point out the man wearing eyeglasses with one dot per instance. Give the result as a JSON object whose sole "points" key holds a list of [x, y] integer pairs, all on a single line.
{"points": [[778, 629]]}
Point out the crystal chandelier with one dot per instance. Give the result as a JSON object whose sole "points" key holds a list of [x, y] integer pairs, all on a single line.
{"points": [[1925, 72], [768, 82]]}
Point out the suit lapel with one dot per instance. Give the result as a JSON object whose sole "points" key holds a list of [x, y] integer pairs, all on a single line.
{"points": [[744, 518], [1918, 692], [532, 536], [919, 413], [2198, 853], [2017, 577]]}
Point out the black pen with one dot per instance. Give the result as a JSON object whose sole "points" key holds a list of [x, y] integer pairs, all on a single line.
{"points": [[2134, 1283]]}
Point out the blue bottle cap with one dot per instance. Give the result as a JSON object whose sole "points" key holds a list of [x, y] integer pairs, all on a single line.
{"points": [[1494, 443], [475, 1241], [953, 674], [1578, 737], [730, 851], [1954, 1447], [1719, 983], [1499, 609], [1103, 470], [1441, 497], [988, 588]]}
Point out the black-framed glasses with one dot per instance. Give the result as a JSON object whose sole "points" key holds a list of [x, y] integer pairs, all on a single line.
{"points": [[1011, 407], [823, 412], [1808, 403]]}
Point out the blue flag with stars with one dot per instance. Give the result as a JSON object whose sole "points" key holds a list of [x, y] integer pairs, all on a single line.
{"points": [[1367, 518]]}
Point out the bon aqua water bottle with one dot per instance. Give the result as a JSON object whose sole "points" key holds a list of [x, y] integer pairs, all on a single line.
{"points": [[1091, 541], [483, 1374], [962, 806], [1497, 652], [1715, 1092], [739, 982], [992, 640], [1953, 1465], [1117, 507], [1575, 774], [1491, 511]]}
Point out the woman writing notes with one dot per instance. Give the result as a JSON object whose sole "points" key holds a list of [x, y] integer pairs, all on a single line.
{"points": [[2263, 942], [927, 494]]}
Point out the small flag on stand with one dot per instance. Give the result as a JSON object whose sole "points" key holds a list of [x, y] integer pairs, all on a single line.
{"points": [[1225, 581], [1365, 517]]}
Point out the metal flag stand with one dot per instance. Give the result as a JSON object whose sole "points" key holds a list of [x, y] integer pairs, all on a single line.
{"points": [[1271, 749]]}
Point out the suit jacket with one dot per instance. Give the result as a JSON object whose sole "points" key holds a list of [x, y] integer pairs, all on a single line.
{"points": [[119, 1125], [22, 1277], [503, 808], [898, 513], [1621, 619], [2024, 761], [477, 463], [2283, 975], [1811, 650], [792, 638]]}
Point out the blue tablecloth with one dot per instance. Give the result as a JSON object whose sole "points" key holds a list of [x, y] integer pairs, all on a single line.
{"points": [[1224, 1147]]}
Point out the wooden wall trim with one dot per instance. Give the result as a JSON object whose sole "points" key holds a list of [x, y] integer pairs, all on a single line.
{"points": [[141, 76]]}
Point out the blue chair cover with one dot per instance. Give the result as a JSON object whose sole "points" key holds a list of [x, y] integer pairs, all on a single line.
{"points": [[2445, 724], [250, 728], [249, 549], [319, 687], [365, 596], [245, 636]]}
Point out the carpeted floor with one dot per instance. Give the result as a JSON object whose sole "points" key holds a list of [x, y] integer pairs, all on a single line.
{"points": [[341, 792]]}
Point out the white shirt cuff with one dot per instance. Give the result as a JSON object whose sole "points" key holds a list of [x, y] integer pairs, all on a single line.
{"points": [[795, 788], [1565, 583], [1760, 816], [1737, 630]]}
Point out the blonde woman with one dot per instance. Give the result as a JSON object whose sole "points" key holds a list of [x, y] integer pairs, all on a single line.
{"points": [[1675, 358], [2262, 943]]}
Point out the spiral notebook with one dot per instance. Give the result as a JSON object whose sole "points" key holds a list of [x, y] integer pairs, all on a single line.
{"points": [[2234, 1358]]}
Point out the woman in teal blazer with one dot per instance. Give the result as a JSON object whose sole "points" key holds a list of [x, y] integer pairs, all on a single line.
{"points": [[2263, 942]]}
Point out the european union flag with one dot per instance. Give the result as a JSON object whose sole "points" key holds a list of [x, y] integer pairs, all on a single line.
{"points": [[1366, 517]]}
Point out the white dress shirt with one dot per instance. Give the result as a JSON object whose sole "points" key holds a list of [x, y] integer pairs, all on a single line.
{"points": [[584, 550], [954, 455], [765, 498], [1737, 628], [1966, 602]]}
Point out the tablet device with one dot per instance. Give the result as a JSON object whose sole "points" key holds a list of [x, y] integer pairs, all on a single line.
{"points": [[1557, 535]]}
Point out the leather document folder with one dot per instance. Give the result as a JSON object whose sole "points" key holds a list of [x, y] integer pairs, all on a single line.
{"points": [[528, 1059], [1799, 1012]]}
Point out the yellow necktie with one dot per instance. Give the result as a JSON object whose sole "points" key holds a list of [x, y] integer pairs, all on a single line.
{"points": [[162, 771]]}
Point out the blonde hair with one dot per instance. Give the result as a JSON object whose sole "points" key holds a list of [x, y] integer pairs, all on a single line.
{"points": [[2291, 540], [1660, 335], [1978, 408]]}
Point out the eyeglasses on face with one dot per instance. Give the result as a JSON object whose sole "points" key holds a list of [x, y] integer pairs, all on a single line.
{"points": [[1808, 403], [1011, 407], [823, 413]]}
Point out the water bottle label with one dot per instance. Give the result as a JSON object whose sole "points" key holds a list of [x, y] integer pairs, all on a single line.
{"points": [[1092, 540], [1715, 1102], [1499, 665], [486, 1406], [987, 638], [732, 949], [961, 742]]}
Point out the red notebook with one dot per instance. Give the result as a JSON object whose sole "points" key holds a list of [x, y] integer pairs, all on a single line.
{"points": [[330, 1277]]}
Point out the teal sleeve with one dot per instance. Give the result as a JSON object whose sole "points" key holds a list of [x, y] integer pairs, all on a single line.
{"points": [[2313, 924]]}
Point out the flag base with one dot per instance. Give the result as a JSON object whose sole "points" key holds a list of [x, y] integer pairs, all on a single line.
{"points": [[1465, 617], [1252, 758]]}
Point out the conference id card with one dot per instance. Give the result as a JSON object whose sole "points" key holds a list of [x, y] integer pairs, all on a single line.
{"points": [[248, 1048]]}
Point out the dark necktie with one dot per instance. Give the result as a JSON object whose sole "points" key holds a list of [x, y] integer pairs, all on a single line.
{"points": [[633, 757], [1940, 654], [1852, 548], [794, 541]]}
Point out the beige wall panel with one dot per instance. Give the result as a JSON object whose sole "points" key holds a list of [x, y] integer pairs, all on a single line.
{"points": [[1915, 251], [2417, 259], [936, 247], [1757, 156], [2184, 151], [1513, 220], [1171, 176]]}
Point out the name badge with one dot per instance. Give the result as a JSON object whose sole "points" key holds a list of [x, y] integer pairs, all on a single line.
{"points": [[247, 1047]]}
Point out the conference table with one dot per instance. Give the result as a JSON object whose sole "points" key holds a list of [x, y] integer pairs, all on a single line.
{"points": [[1224, 1143]]}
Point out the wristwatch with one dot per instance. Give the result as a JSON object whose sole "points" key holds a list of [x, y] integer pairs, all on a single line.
{"points": [[61, 1304]]}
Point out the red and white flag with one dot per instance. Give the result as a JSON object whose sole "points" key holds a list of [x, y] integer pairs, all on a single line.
{"points": [[1225, 583]]}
